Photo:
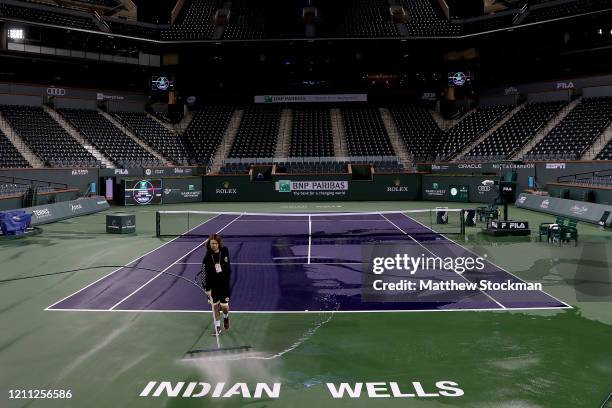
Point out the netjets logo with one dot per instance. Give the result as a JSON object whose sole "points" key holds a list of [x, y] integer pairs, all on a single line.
{"points": [[227, 189], [75, 207], [545, 204], [56, 91], [522, 199]]}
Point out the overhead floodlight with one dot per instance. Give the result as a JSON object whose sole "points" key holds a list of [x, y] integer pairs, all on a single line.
{"points": [[15, 34]]}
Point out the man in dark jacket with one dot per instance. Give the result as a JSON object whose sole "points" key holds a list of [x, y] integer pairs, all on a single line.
{"points": [[216, 269]]}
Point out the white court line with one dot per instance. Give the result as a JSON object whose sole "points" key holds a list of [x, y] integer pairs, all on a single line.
{"points": [[280, 263], [319, 311], [173, 263], [309, 237], [438, 256], [128, 264], [487, 260]]}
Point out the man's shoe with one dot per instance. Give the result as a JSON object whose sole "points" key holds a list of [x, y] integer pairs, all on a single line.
{"points": [[226, 324]]}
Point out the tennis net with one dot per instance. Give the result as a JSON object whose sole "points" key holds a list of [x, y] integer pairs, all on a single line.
{"points": [[245, 224]]}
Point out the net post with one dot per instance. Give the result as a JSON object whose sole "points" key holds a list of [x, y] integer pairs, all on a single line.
{"points": [[157, 224], [462, 221]]}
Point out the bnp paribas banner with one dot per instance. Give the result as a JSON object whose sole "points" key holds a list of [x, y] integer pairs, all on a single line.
{"points": [[401, 187], [311, 98], [320, 188]]}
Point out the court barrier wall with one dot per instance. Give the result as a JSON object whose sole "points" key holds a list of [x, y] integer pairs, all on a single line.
{"points": [[45, 214], [327, 187], [543, 172], [588, 212], [595, 194]]}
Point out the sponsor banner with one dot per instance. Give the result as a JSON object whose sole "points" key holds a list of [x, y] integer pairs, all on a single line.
{"points": [[311, 98], [78, 93], [555, 166], [137, 171], [309, 188], [101, 96], [169, 171], [478, 168], [45, 214], [313, 188], [509, 225], [567, 84], [475, 189], [583, 211], [182, 190]]}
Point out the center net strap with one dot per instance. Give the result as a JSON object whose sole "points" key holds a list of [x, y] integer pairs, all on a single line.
{"points": [[345, 224]]}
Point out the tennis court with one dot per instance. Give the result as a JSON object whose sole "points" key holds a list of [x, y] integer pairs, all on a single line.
{"points": [[295, 263], [105, 332]]}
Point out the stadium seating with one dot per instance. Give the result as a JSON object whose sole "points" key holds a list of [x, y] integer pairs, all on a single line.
{"points": [[312, 133], [313, 167], [205, 132], [9, 156], [365, 132], [195, 21], [133, 29], [9, 189], [246, 21], [235, 168], [273, 19], [388, 167], [419, 131], [169, 117], [357, 18], [605, 153], [48, 17], [258, 132], [514, 133], [170, 145], [46, 138], [576, 132], [109, 139], [469, 129], [425, 19], [565, 9]]}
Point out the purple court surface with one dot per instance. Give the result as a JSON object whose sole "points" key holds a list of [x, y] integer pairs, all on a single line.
{"points": [[289, 265]]}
